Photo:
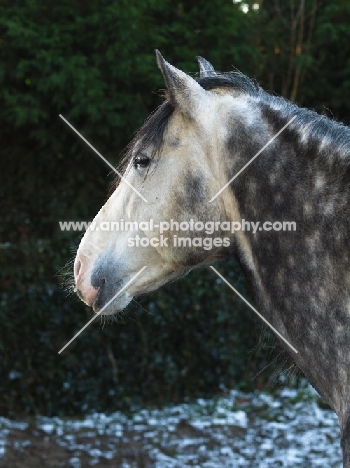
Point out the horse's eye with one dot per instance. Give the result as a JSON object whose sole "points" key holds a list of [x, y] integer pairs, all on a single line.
{"points": [[141, 161]]}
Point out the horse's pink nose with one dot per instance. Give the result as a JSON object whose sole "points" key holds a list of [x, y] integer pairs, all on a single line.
{"points": [[83, 284], [77, 268]]}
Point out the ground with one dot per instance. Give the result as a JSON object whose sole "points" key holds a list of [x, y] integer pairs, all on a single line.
{"points": [[289, 429]]}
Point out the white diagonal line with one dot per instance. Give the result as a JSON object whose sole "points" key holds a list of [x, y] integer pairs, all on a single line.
{"points": [[103, 308], [253, 309], [104, 159], [257, 154]]}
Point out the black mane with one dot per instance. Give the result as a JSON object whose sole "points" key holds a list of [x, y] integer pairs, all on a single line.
{"points": [[276, 109], [152, 131]]}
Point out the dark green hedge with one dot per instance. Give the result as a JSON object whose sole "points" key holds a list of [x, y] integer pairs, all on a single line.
{"points": [[191, 338]]}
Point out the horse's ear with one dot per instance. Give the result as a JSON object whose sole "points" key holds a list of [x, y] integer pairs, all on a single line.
{"points": [[184, 91], [205, 67]]}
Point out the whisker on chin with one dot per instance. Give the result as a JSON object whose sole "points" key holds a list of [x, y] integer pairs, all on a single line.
{"points": [[66, 277]]}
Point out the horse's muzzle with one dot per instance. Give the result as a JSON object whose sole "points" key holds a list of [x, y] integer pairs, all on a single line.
{"points": [[85, 290]]}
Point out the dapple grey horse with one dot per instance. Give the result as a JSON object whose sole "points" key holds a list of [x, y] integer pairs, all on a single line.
{"points": [[193, 145]]}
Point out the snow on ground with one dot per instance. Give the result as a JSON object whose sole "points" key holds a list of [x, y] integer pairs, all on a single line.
{"points": [[289, 429]]}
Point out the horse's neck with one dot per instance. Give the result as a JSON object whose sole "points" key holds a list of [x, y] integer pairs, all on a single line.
{"points": [[345, 440], [300, 278]]}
